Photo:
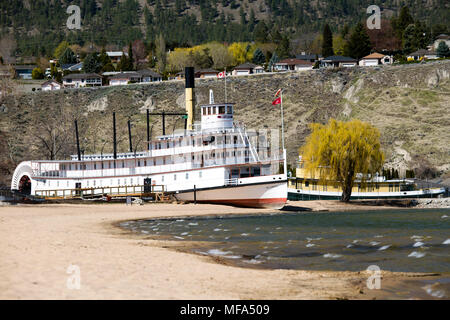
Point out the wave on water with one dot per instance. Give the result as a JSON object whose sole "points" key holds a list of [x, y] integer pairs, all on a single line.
{"points": [[416, 254], [218, 252], [434, 293], [252, 261], [332, 255], [399, 241]]}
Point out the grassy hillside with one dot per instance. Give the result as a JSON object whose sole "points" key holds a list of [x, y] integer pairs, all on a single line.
{"points": [[409, 104]]}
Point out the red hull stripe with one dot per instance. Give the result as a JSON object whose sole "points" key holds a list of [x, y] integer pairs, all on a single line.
{"points": [[259, 203]]}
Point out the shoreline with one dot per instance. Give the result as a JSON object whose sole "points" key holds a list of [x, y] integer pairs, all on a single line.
{"points": [[38, 243]]}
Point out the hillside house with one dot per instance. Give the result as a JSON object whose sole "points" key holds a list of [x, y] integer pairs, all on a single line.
{"points": [[338, 62], [50, 85], [244, 69], [442, 37], [423, 54], [115, 56], [206, 73], [24, 71], [123, 78], [259, 69], [293, 65], [149, 76], [78, 80], [375, 59]]}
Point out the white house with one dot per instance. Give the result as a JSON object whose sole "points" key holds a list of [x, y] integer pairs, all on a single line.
{"points": [[244, 69], [293, 65], [206, 73], [115, 56], [375, 59], [423, 54], [259, 69], [442, 37], [78, 80], [124, 78], [338, 62], [50, 85], [149, 75]]}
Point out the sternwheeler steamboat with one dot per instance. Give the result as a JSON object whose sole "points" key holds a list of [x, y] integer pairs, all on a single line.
{"points": [[215, 160]]}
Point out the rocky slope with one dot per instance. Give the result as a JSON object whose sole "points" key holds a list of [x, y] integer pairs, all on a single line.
{"points": [[409, 104]]}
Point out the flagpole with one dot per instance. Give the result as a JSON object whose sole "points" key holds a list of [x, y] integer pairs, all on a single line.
{"points": [[225, 85], [282, 121]]}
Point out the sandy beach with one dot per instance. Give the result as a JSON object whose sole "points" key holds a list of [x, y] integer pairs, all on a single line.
{"points": [[39, 242]]}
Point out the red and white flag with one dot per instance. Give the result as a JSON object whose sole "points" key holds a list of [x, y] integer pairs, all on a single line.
{"points": [[276, 101], [221, 74], [278, 92]]}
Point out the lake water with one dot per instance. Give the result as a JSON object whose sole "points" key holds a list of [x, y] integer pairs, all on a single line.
{"points": [[405, 240]]}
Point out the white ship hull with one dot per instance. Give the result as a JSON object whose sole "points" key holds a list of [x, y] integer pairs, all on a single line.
{"points": [[260, 195]]}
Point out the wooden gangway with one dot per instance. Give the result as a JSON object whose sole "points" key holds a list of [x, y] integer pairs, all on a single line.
{"points": [[156, 192]]}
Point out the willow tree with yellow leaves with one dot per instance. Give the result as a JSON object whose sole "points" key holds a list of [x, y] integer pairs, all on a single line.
{"points": [[343, 151]]}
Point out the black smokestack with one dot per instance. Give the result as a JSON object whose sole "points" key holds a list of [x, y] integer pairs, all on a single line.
{"points": [[129, 135], [189, 75], [114, 135], [78, 140], [190, 96], [148, 130]]}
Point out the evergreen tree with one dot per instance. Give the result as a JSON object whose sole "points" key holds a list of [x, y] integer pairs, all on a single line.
{"points": [[359, 44], [105, 62], [104, 58], [260, 33], [130, 58], [123, 64], [67, 57], [402, 22], [284, 49], [91, 63], [258, 57], [327, 43], [251, 21], [442, 50], [410, 41]]}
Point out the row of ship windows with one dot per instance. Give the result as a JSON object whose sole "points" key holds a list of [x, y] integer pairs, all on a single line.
{"points": [[217, 110], [219, 140], [120, 182], [153, 162]]}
